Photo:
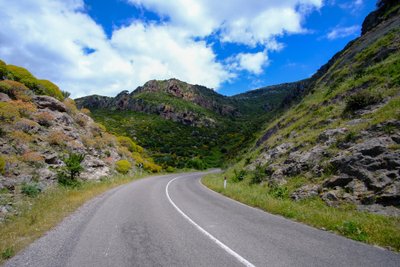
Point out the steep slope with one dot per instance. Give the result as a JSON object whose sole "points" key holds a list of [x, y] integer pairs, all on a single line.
{"points": [[38, 131], [342, 141]]}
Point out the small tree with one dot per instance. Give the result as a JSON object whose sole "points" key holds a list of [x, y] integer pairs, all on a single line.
{"points": [[68, 175]]}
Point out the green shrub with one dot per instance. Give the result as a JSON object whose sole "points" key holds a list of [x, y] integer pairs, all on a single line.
{"points": [[3, 69], [196, 163], [50, 89], [22, 75], [15, 90], [129, 144], [258, 175], [7, 253], [31, 189], [68, 175], [8, 112], [170, 169], [40, 87], [280, 192], [361, 100], [123, 166], [2, 165], [352, 230], [239, 175], [65, 94]]}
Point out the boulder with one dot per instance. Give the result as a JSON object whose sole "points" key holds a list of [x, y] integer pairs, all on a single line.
{"points": [[329, 136], [51, 103], [46, 174], [4, 97], [306, 191]]}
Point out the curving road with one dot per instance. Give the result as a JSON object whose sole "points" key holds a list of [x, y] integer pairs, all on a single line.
{"points": [[173, 220]]}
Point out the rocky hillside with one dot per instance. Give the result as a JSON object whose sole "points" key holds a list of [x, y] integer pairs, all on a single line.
{"points": [[172, 99], [341, 142], [39, 131]]}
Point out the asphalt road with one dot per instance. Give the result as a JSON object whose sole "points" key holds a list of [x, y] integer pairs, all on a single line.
{"points": [[173, 220]]}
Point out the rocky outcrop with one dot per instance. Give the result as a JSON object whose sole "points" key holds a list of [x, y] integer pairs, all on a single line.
{"points": [[386, 9], [192, 94], [34, 144], [51, 103]]}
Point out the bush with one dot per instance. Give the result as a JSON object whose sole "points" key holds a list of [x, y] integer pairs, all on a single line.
{"points": [[31, 189], [361, 100], [196, 163], [280, 192], [123, 166], [239, 176], [22, 75], [170, 169], [8, 112], [73, 164], [85, 111], [25, 109], [21, 137], [33, 158], [15, 90], [129, 144], [58, 138], [151, 166], [44, 118], [3, 69], [2, 165], [258, 175], [71, 106], [68, 175], [50, 89], [65, 94]]}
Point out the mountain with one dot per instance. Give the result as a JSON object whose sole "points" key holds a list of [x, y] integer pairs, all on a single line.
{"points": [[340, 141], [185, 125]]}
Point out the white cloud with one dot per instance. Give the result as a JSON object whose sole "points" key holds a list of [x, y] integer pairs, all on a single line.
{"points": [[341, 32], [249, 22], [251, 62], [353, 6], [50, 37], [57, 40]]}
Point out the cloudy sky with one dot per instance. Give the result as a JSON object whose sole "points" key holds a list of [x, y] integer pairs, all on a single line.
{"points": [[104, 47]]}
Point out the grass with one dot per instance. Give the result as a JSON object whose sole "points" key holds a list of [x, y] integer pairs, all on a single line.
{"points": [[344, 220], [40, 214]]}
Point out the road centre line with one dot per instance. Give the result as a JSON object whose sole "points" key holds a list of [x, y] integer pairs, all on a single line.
{"points": [[210, 236]]}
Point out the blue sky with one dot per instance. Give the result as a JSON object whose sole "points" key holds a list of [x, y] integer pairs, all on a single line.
{"points": [[103, 47]]}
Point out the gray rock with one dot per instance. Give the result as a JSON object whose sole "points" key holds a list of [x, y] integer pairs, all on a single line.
{"points": [[379, 209], [306, 191], [331, 197], [4, 97], [46, 174], [329, 136], [51, 158], [51, 103], [341, 181]]}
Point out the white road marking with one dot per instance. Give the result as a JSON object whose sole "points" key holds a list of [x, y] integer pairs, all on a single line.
{"points": [[214, 239]]}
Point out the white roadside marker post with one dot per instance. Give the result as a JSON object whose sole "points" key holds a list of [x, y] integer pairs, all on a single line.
{"points": [[225, 182]]}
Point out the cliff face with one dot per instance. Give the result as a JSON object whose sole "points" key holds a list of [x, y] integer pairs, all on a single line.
{"points": [[343, 137]]}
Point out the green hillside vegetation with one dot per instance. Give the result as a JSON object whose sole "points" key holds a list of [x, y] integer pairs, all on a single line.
{"points": [[357, 93], [173, 144], [39, 87]]}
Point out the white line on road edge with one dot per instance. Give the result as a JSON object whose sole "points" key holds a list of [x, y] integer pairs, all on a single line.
{"points": [[219, 243]]}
